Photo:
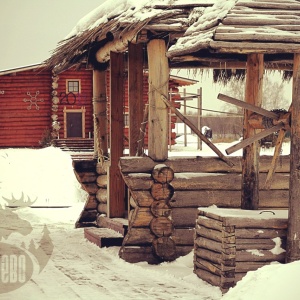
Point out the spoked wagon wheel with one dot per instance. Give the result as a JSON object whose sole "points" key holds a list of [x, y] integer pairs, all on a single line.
{"points": [[270, 121]]}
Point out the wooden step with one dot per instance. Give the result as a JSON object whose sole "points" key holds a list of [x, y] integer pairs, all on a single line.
{"points": [[103, 237], [117, 224]]}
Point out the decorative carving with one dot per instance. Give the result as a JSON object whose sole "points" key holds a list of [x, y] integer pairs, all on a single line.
{"points": [[33, 100]]}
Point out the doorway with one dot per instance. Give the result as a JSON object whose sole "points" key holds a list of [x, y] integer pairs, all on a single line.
{"points": [[74, 123]]}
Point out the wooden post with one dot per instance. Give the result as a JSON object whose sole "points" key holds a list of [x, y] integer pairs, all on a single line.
{"points": [[158, 112], [199, 98], [293, 237], [250, 160], [135, 94], [100, 115], [116, 184]]}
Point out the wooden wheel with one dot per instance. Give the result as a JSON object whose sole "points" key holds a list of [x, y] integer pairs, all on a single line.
{"points": [[276, 121]]}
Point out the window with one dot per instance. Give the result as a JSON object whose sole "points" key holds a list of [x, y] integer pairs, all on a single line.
{"points": [[126, 120], [73, 85]]}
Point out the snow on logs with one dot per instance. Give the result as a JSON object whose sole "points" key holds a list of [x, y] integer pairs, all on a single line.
{"points": [[164, 200], [231, 242]]}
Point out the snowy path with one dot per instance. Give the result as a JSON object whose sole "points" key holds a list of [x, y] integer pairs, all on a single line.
{"points": [[80, 270]]}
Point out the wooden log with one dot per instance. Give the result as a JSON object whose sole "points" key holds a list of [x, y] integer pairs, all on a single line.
{"points": [[162, 173], [102, 195], [161, 191], [199, 164], [208, 277], [161, 226], [164, 248], [132, 202], [205, 198], [91, 188], [160, 209], [135, 94], [116, 184], [100, 116], [293, 237], [139, 236], [88, 216], [208, 266], [184, 217], [86, 177], [251, 233], [243, 267], [214, 257], [102, 169], [102, 208], [209, 233], [183, 236], [212, 245], [258, 244], [102, 181], [218, 181], [138, 181], [138, 254], [91, 203], [259, 255], [141, 217], [227, 199], [210, 223], [255, 223], [158, 112], [142, 198], [88, 165]]}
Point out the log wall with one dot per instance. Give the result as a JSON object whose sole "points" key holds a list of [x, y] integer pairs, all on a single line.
{"points": [[228, 244], [197, 182], [25, 105]]}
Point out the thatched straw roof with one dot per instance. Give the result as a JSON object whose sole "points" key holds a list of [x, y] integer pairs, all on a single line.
{"points": [[211, 33]]}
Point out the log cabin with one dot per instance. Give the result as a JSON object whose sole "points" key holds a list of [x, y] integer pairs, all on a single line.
{"points": [[39, 108], [236, 34]]}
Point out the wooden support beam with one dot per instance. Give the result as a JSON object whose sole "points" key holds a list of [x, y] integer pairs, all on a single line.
{"points": [[250, 160], [158, 111], [100, 115], [116, 183], [293, 237], [135, 94]]}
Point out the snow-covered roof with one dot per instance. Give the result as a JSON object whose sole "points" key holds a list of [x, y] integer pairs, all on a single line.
{"points": [[190, 26]]}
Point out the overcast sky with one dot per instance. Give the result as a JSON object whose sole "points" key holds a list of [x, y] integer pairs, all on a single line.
{"points": [[30, 29]]}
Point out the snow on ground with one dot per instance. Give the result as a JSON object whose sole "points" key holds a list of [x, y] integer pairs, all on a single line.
{"points": [[76, 268]]}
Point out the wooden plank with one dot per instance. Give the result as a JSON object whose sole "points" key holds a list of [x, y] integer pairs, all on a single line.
{"points": [[293, 237], [250, 169], [116, 183], [248, 106], [196, 131], [158, 112], [135, 94]]}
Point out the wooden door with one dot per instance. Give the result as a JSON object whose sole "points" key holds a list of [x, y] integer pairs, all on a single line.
{"points": [[74, 124]]}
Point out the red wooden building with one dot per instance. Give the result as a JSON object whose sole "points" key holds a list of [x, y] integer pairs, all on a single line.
{"points": [[36, 105]]}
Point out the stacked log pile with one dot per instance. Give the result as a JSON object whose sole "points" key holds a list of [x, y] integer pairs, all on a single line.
{"points": [[229, 243], [93, 179], [165, 199]]}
